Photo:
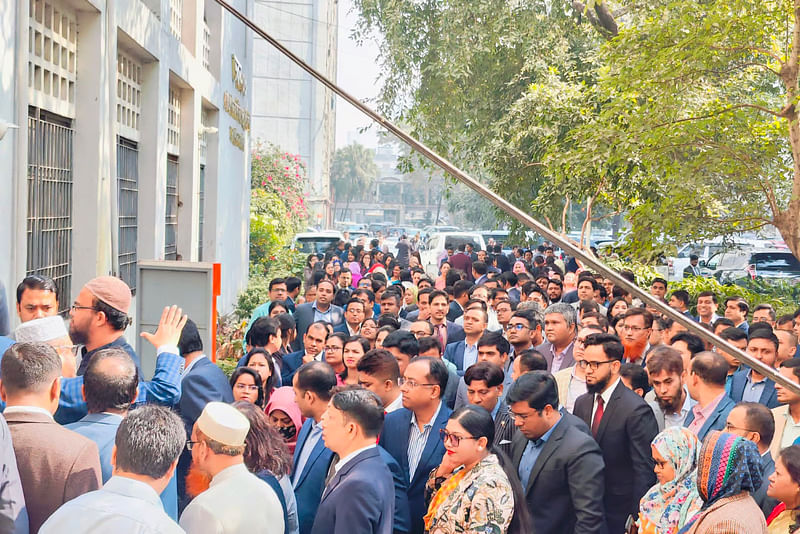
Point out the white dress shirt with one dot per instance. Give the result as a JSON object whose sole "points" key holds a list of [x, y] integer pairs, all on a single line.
{"points": [[395, 404], [341, 463], [606, 396], [121, 505]]}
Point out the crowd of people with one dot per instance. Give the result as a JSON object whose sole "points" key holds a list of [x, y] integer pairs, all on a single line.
{"points": [[511, 393]]}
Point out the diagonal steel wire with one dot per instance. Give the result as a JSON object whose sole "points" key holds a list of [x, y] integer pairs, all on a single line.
{"points": [[518, 214]]}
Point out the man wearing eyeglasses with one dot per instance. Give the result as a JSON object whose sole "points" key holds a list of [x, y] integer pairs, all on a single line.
{"points": [[411, 434], [636, 329], [523, 331], [623, 425], [560, 466], [755, 422]]}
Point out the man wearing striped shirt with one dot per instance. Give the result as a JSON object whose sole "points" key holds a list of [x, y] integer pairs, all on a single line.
{"points": [[411, 434]]}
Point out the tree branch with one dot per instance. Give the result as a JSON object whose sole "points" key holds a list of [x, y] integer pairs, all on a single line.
{"points": [[778, 114], [564, 216], [763, 51], [600, 17]]}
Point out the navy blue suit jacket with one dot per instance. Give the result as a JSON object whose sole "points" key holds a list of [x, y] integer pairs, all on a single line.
{"points": [[454, 352], [716, 421], [304, 316], [455, 311], [394, 439], [291, 363], [358, 498], [205, 382], [769, 395], [311, 482], [402, 516]]}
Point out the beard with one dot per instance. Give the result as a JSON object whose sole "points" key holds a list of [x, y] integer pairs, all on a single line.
{"points": [[599, 386], [634, 349], [670, 405], [78, 337]]}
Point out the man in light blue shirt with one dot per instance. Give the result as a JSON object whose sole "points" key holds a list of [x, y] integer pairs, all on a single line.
{"points": [[145, 454]]}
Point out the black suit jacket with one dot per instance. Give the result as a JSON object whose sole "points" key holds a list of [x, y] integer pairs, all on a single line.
{"points": [[455, 311], [359, 498], [626, 430], [565, 489], [767, 504]]}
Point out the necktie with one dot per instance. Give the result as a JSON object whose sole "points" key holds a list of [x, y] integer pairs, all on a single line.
{"points": [[598, 416], [440, 333]]}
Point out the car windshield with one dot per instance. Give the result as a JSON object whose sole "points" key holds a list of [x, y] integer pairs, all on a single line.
{"points": [[316, 245], [776, 261], [455, 240]]}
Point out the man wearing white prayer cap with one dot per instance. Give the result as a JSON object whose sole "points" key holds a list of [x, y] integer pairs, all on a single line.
{"points": [[236, 501], [53, 331]]}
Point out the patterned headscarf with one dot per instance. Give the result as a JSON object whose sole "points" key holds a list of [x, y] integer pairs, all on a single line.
{"points": [[666, 507], [728, 465]]}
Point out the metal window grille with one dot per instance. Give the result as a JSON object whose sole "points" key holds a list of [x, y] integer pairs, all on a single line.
{"points": [[128, 208], [201, 211], [171, 216], [52, 56], [129, 96], [175, 17], [174, 121], [206, 46], [49, 221]]}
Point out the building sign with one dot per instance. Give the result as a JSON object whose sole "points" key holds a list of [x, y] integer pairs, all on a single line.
{"points": [[234, 108]]}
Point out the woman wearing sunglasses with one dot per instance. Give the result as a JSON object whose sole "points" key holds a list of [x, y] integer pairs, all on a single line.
{"points": [[474, 488]]}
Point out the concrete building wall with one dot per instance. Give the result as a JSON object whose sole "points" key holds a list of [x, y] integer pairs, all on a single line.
{"points": [[148, 71], [289, 108]]}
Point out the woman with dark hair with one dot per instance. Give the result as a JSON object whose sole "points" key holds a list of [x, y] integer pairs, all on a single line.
{"points": [[441, 280], [308, 270], [266, 456], [330, 270], [262, 362], [354, 349], [728, 471], [365, 262], [369, 330], [475, 488], [333, 352], [247, 386], [617, 307], [276, 308], [784, 485], [394, 269]]}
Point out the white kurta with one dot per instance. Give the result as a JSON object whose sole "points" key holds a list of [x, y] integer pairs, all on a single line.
{"points": [[236, 502]]}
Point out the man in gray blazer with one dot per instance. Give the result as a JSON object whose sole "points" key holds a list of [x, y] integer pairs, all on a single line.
{"points": [[560, 326], [559, 464], [321, 309]]}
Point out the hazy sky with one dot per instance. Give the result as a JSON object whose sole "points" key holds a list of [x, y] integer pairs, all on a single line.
{"points": [[358, 75]]}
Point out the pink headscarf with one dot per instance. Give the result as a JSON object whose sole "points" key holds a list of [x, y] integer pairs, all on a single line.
{"points": [[283, 399], [356, 270]]}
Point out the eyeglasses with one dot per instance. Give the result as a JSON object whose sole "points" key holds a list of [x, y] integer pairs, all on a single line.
{"points": [[580, 342], [410, 382], [72, 348], [77, 307], [631, 328], [523, 416], [190, 444], [246, 387], [729, 427], [593, 365], [330, 348], [518, 326], [452, 438]]}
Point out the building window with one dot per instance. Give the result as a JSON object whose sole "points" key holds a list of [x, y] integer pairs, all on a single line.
{"points": [[49, 221], [127, 208], [206, 46], [174, 121], [129, 95], [175, 17], [171, 215], [52, 54]]}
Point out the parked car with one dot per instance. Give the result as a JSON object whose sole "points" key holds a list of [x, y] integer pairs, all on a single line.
{"points": [[316, 242], [676, 264], [436, 245], [756, 264]]}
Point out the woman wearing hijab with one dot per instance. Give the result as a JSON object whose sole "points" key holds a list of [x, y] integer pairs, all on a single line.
{"points": [[284, 414], [784, 485], [728, 470], [673, 500]]}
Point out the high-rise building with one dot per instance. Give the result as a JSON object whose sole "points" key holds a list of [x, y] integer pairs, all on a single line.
{"points": [[133, 139], [290, 109]]}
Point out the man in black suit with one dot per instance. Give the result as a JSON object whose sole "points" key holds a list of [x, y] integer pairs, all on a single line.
{"points": [[360, 494], [354, 314], [460, 298], [623, 425], [560, 466]]}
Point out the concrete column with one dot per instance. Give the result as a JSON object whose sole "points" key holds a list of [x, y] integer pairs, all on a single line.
{"points": [[188, 175], [153, 161]]}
